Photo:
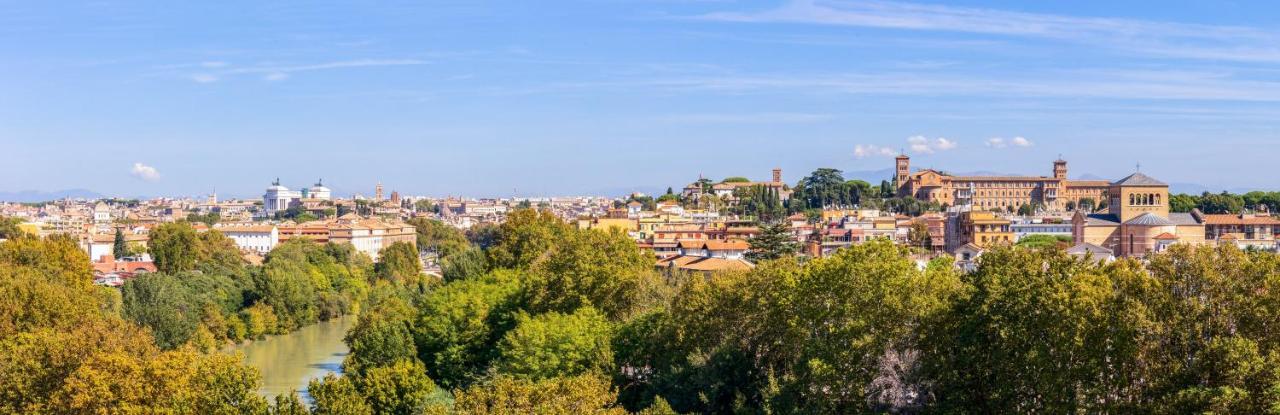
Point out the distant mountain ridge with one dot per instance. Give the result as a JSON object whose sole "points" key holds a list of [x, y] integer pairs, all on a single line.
{"points": [[31, 196]]}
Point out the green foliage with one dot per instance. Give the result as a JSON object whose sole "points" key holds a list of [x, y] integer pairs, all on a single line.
{"points": [[1183, 202], [918, 234], [439, 237], [9, 227], [161, 302], [736, 179], [174, 247], [1088, 204], [460, 323], [565, 395], [119, 248], [1045, 241], [29, 300], [58, 258], [761, 202], [774, 241], [525, 236], [825, 188], [554, 345], [63, 349], [210, 218], [909, 206], [303, 282], [398, 263], [807, 339], [288, 404], [217, 253], [1225, 202], [1220, 203], [402, 388], [469, 263], [378, 340], [424, 205], [334, 395], [589, 268]]}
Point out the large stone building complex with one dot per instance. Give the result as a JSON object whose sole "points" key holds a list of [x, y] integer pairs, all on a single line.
{"points": [[367, 235], [1004, 193], [1137, 220]]}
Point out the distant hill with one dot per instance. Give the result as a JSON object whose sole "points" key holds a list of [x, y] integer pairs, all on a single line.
{"points": [[870, 176], [29, 196]]}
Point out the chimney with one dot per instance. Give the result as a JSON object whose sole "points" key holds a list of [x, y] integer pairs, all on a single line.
{"points": [[777, 175]]}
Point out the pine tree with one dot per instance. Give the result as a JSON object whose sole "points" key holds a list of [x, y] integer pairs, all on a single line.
{"points": [[774, 242], [121, 248]]}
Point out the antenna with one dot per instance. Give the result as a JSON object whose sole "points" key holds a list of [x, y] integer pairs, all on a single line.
{"points": [[1138, 167]]}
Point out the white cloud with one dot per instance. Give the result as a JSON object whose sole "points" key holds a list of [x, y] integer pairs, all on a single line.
{"points": [[864, 151], [213, 64], [145, 172], [922, 144], [204, 78], [276, 76], [1000, 142]]}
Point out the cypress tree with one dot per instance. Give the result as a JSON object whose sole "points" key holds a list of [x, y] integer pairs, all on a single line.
{"points": [[120, 248]]}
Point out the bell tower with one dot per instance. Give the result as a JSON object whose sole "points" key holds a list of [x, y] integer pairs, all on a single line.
{"points": [[902, 175], [1060, 168]]}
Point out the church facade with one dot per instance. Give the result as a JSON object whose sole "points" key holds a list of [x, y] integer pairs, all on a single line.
{"points": [[1137, 220]]}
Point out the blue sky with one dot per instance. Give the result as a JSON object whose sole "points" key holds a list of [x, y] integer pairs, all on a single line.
{"points": [[571, 97]]}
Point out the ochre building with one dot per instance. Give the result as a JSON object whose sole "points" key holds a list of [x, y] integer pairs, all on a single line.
{"points": [[1137, 220], [997, 193]]}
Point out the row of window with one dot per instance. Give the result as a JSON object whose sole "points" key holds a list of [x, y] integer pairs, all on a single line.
{"points": [[1144, 199], [1004, 184]]}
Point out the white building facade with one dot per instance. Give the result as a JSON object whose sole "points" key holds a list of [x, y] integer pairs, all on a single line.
{"points": [[278, 199], [255, 238]]}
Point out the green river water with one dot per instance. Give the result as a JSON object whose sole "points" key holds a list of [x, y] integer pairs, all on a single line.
{"points": [[289, 361]]}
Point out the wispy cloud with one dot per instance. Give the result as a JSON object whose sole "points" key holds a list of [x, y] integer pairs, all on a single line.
{"points": [[1192, 41], [870, 150], [204, 78], [144, 172], [1000, 142], [213, 71], [1106, 84], [922, 144], [751, 118]]}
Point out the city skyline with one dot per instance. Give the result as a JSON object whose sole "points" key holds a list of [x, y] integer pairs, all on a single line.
{"points": [[136, 99]]}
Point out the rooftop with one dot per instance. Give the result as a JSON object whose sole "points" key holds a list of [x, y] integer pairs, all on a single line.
{"points": [[1138, 179]]}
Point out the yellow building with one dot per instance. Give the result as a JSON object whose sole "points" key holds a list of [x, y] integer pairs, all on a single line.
{"points": [[1138, 221], [1006, 193], [983, 229], [607, 224]]}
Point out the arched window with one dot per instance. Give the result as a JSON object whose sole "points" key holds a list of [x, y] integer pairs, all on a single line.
{"points": [[1133, 199], [1157, 200]]}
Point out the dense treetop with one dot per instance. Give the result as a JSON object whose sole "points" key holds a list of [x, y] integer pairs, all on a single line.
{"points": [[547, 318]]}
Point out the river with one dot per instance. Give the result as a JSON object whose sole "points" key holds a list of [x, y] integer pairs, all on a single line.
{"points": [[289, 361]]}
